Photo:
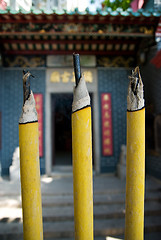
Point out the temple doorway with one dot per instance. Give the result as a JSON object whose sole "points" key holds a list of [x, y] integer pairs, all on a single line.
{"points": [[61, 129]]}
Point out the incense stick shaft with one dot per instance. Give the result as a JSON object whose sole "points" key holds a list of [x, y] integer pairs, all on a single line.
{"points": [[135, 175], [135, 163], [82, 159], [29, 166], [30, 181], [82, 174]]}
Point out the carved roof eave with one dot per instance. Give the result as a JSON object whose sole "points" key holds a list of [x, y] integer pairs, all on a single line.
{"points": [[114, 17], [101, 33]]}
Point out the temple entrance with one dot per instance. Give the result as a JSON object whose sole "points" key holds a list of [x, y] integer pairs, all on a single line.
{"points": [[61, 129]]}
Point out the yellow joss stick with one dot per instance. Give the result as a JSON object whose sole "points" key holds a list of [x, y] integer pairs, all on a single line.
{"points": [[29, 166], [135, 172], [82, 158]]}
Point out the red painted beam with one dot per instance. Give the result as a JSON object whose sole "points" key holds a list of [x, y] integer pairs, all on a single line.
{"points": [[75, 34], [69, 41], [58, 19], [68, 52]]}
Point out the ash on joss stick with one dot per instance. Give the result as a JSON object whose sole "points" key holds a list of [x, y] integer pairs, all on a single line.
{"points": [[135, 172], [29, 165], [82, 157]]}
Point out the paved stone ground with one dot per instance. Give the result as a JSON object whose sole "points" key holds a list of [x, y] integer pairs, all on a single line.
{"points": [[58, 216]]}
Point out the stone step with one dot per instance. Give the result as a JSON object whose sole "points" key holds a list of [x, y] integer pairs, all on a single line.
{"points": [[66, 213], [100, 211], [58, 230], [114, 212], [67, 200], [57, 201], [147, 236], [103, 184], [99, 199]]}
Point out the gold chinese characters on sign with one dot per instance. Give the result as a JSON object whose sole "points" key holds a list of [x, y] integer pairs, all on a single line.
{"points": [[107, 142], [67, 77]]}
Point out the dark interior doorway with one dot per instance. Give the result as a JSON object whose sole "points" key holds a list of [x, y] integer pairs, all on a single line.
{"points": [[61, 129]]}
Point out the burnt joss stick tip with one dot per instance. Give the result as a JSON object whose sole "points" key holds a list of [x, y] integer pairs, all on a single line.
{"points": [[26, 85], [77, 68], [135, 97]]}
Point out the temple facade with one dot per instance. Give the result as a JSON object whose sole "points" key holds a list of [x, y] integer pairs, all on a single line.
{"points": [[110, 45]]}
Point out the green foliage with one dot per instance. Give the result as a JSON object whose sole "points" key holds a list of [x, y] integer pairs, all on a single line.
{"points": [[114, 4]]}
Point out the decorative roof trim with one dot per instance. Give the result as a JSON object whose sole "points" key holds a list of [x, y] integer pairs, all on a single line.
{"points": [[118, 12]]}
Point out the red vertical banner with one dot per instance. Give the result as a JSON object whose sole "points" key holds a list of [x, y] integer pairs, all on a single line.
{"points": [[0, 130], [39, 108], [106, 111]]}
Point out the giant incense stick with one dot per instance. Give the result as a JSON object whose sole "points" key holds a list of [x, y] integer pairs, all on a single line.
{"points": [[29, 166], [135, 173], [82, 158]]}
